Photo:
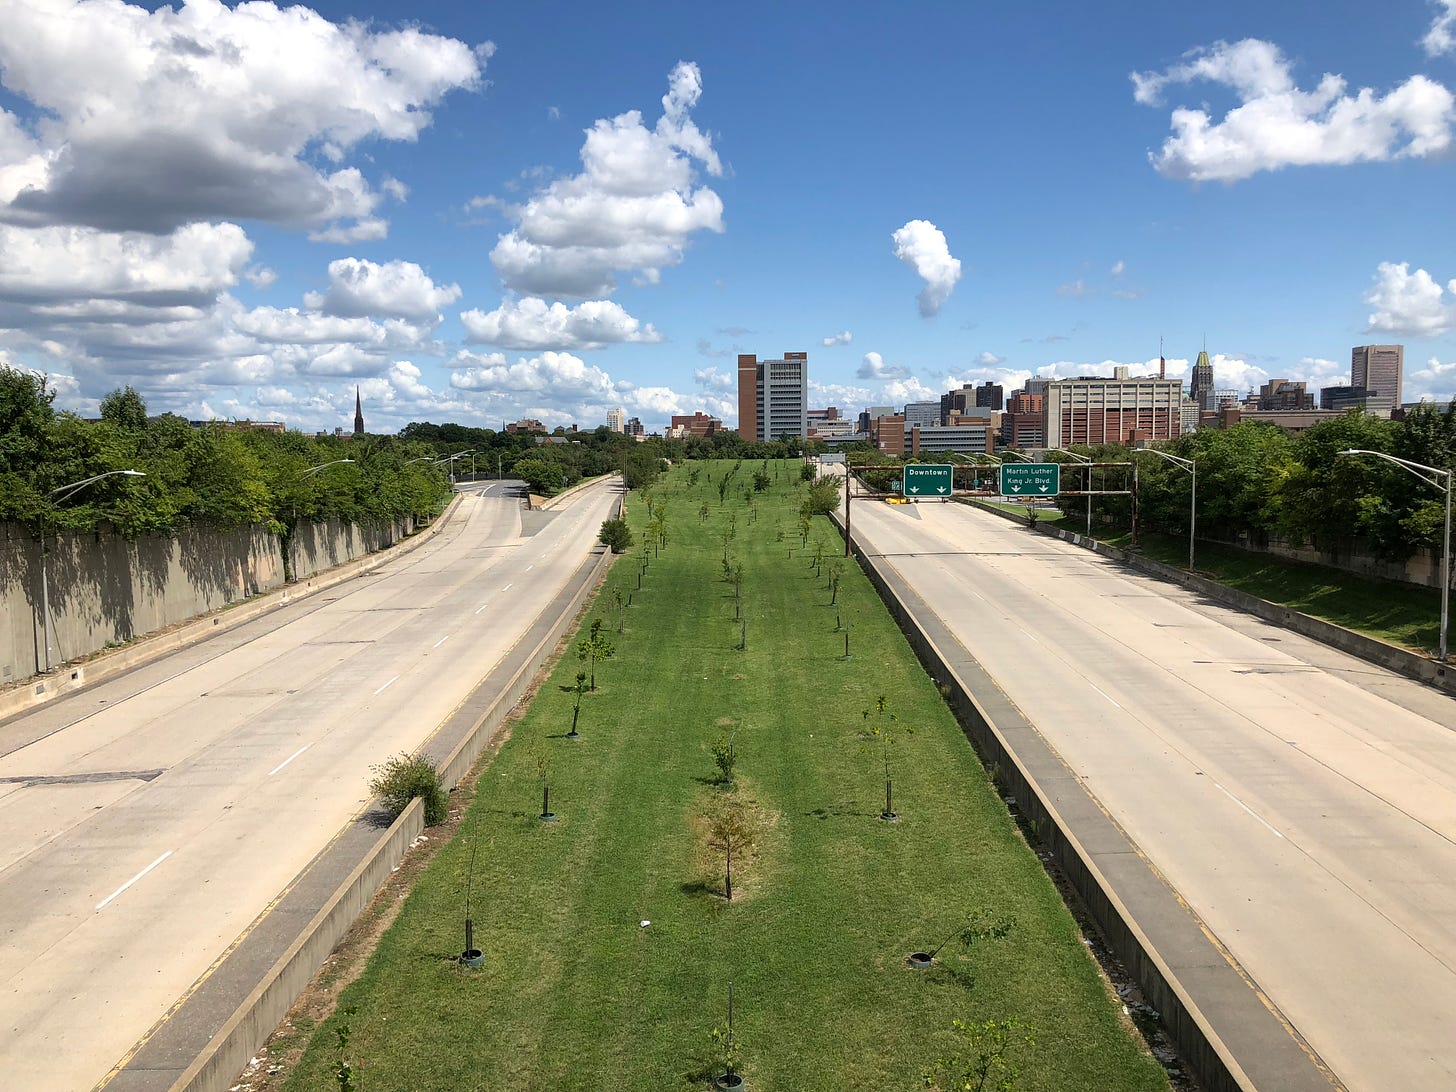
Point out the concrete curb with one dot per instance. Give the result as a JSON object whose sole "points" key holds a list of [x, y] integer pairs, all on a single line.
{"points": [[1222, 1025], [552, 502], [456, 763], [71, 677], [1381, 653], [183, 1054], [264, 1008]]}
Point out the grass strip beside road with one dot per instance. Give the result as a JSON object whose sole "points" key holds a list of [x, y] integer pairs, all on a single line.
{"points": [[578, 991]]}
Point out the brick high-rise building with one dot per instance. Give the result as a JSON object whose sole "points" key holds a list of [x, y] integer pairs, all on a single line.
{"points": [[1378, 369], [989, 395], [773, 397]]}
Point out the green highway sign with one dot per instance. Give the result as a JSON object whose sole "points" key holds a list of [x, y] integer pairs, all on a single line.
{"points": [[927, 480], [1030, 479]]}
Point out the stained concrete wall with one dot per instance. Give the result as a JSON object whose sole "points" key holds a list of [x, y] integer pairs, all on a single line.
{"points": [[106, 589]]}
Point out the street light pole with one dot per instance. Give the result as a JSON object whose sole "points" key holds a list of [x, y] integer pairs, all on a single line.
{"points": [[1192, 468], [1081, 459], [293, 537], [59, 494], [1431, 475]]}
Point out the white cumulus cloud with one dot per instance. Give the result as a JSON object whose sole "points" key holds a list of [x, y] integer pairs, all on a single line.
{"points": [[398, 289], [844, 337], [1441, 38], [632, 209], [1278, 125], [874, 368], [200, 112], [1409, 304], [922, 246], [531, 323]]}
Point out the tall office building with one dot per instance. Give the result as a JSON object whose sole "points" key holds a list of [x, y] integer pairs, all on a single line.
{"points": [[1113, 411], [1378, 369], [617, 419], [773, 397], [1200, 386], [989, 395]]}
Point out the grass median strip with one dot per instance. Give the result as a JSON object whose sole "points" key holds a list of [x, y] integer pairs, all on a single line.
{"points": [[607, 938]]}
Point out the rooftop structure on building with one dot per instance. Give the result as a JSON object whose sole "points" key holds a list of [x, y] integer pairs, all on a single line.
{"points": [[773, 397]]}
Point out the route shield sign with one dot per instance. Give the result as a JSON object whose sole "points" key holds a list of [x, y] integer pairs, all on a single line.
{"points": [[1030, 479], [927, 480]]}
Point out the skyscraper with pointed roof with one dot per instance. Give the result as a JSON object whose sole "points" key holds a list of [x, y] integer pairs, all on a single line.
{"points": [[358, 414], [1200, 387]]}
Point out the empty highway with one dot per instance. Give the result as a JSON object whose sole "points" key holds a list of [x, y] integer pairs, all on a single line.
{"points": [[1301, 801], [151, 819]]}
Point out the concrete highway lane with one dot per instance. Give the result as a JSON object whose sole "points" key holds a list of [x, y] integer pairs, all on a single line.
{"points": [[1301, 801], [151, 819]]}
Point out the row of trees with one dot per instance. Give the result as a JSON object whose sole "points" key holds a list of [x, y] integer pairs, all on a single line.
{"points": [[218, 476], [1255, 481]]}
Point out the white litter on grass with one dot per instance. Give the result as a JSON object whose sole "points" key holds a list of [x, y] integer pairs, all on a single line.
{"points": [[645, 924]]}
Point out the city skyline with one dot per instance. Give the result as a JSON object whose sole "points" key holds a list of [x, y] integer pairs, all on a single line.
{"points": [[411, 210]]}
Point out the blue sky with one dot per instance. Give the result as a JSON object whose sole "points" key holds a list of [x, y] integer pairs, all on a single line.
{"points": [[481, 212]]}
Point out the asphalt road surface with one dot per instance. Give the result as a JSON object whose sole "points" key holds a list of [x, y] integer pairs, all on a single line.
{"points": [[1302, 801], [150, 820]]}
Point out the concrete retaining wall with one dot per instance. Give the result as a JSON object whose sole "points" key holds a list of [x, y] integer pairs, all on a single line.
{"points": [[264, 1009], [106, 589]]}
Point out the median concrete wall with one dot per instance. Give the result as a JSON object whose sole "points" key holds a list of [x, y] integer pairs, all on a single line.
{"points": [[265, 1007], [106, 589]]}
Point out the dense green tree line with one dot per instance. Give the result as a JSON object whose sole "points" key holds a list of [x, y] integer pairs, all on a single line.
{"points": [[216, 476], [227, 477], [1256, 481]]}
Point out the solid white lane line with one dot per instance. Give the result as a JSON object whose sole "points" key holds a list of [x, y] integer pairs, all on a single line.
{"points": [[1246, 807], [289, 759], [1099, 690], [103, 903], [445, 638], [385, 687]]}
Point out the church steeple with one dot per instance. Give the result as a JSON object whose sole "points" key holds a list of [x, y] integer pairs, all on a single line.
{"points": [[358, 414]]}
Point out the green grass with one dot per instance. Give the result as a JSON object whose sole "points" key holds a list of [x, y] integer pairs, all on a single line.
{"points": [[1402, 614], [576, 993]]}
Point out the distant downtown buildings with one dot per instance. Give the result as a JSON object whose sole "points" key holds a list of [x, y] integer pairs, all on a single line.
{"points": [[1045, 413]]}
